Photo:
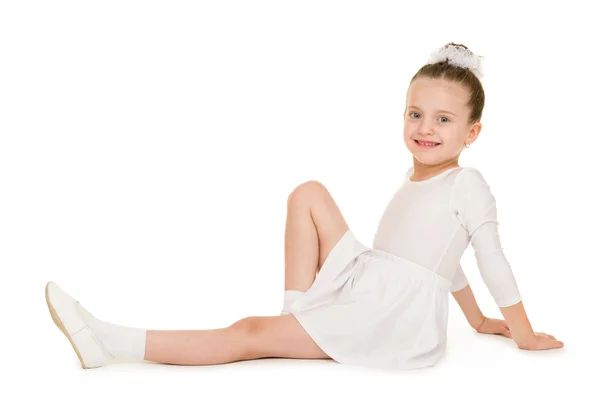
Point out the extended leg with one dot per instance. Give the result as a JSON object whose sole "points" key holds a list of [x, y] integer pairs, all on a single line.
{"points": [[98, 343], [314, 225], [248, 338]]}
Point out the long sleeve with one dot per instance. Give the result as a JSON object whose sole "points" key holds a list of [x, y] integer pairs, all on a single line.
{"points": [[475, 208], [459, 281]]}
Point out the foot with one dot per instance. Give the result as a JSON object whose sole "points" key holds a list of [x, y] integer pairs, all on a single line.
{"points": [[72, 319]]}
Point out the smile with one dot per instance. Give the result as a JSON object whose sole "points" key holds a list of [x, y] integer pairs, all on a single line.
{"points": [[427, 145]]}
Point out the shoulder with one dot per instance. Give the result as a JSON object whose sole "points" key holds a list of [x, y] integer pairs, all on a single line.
{"points": [[470, 183], [470, 177], [469, 174]]}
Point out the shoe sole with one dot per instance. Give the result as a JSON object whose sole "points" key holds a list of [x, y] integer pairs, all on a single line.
{"points": [[61, 326]]}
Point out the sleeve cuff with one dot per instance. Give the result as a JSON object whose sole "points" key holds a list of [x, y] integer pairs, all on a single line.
{"points": [[509, 302]]}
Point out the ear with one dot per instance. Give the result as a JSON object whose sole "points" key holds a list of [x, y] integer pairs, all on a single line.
{"points": [[474, 132]]}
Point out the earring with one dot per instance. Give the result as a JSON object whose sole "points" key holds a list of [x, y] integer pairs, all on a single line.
{"points": [[467, 145]]}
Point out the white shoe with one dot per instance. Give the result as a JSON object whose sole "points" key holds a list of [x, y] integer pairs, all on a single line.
{"points": [[72, 319]]}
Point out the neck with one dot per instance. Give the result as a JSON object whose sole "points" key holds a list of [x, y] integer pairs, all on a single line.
{"points": [[423, 172]]}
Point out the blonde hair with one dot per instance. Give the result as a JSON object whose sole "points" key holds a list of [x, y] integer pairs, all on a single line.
{"points": [[464, 76]]}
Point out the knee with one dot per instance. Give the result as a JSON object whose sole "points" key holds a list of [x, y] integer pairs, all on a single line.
{"points": [[306, 191], [247, 332], [249, 326]]}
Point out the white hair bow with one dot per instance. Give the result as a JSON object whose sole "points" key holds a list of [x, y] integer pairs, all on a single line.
{"points": [[458, 56]]}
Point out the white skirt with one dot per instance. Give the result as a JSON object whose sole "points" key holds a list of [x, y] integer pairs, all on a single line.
{"points": [[368, 307]]}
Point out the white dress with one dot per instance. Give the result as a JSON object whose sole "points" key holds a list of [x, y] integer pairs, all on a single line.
{"points": [[387, 306]]}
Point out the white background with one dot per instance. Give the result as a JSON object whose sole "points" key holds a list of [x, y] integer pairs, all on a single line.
{"points": [[148, 149]]}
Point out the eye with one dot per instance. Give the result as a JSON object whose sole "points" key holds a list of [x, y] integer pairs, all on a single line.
{"points": [[413, 113], [444, 117]]}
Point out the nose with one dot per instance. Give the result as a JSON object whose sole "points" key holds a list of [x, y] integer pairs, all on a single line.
{"points": [[425, 129]]}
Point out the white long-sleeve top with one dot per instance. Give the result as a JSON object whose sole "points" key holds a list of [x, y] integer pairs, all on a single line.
{"points": [[432, 222]]}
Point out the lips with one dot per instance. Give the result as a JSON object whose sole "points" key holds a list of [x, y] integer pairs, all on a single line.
{"points": [[427, 143]]}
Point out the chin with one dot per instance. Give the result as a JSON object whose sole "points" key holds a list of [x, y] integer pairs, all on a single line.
{"points": [[429, 159], [425, 156], [428, 162]]}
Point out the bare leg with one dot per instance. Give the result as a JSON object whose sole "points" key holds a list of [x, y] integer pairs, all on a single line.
{"points": [[314, 225], [98, 343], [248, 338]]}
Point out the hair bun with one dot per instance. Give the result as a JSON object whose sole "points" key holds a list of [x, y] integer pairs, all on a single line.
{"points": [[458, 55]]}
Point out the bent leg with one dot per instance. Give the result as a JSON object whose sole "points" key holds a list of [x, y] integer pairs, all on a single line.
{"points": [[314, 225]]}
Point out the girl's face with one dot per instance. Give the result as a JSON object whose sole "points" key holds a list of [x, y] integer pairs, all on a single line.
{"points": [[437, 112]]}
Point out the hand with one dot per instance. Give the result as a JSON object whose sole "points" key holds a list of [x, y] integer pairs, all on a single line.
{"points": [[541, 341], [494, 326]]}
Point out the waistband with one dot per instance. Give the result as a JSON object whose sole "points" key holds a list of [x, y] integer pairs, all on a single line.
{"points": [[409, 266]]}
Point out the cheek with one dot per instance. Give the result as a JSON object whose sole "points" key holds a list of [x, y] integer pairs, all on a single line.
{"points": [[408, 138], [409, 130], [451, 134]]}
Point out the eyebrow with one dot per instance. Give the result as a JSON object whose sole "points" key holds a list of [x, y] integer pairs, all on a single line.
{"points": [[439, 111]]}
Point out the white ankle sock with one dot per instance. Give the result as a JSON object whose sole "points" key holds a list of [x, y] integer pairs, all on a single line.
{"points": [[289, 296], [124, 343]]}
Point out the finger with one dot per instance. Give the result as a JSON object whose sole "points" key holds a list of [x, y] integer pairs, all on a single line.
{"points": [[554, 344], [557, 344]]}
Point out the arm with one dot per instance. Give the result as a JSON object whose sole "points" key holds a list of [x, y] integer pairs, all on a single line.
{"points": [[520, 329], [500, 281], [475, 208], [467, 303], [519, 325], [462, 293], [466, 300]]}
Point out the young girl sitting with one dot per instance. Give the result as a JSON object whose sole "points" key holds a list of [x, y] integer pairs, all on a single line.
{"points": [[385, 306]]}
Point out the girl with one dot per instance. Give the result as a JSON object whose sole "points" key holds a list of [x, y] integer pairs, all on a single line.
{"points": [[385, 306]]}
